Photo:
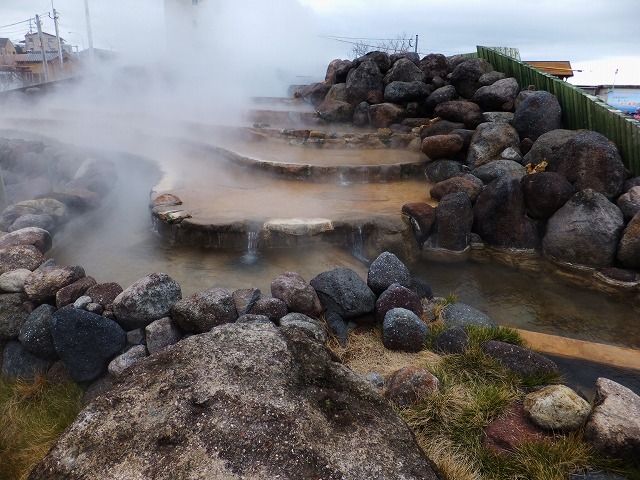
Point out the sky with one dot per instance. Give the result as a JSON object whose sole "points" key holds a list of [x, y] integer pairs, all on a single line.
{"points": [[598, 38]]}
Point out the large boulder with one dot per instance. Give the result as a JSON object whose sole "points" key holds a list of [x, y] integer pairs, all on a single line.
{"points": [[343, 291], [466, 76], [500, 216], [629, 247], [20, 257], [410, 385], [39, 238], [35, 333], [442, 146], [383, 115], [403, 330], [43, 284], [586, 230], [591, 160], [86, 342], [422, 216], [520, 360], [386, 270], [12, 315], [435, 65], [538, 113], [272, 308], [13, 281], [313, 327], [19, 363], [160, 334], [629, 203], [500, 95], [314, 93], [495, 169], [148, 299], [545, 193], [244, 401], [614, 425], [299, 296], [440, 95], [404, 70], [337, 71], [404, 92], [469, 184], [202, 311], [460, 315], [557, 407], [397, 296], [363, 80], [381, 59], [463, 111], [337, 111], [454, 219], [489, 141], [42, 206], [442, 170], [549, 147]]}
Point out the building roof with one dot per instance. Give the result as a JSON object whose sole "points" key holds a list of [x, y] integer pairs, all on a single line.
{"points": [[4, 42], [560, 68], [35, 57]]}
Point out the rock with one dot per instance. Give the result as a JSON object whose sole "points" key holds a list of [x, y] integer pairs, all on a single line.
{"points": [[362, 80], [12, 315], [498, 117], [463, 111], [375, 379], [384, 114], [136, 337], [422, 217], [20, 257], [557, 407], [440, 95], [95, 175], [549, 147], [202, 311], [491, 78], [337, 71], [19, 363], [404, 70], [411, 56], [344, 292], [311, 325], [148, 299], [335, 111], [166, 200], [507, 433], [245, 298], [405, 92], [500, 95], [274, 308], [42, 206], [614, 425], [313, 93], [361, 114], [397, 296], [403, 330], [421, 287], [545, 193], [128, 358], [410, 385], [441, 146], [440, 127], [435, 65], [44, 222], [454, 219], [629, 247], [586, 230], [381, 59], [466, 76], [519, 359], [459, 314], [491, 171], [500, 216], [299, 296], [249, 318], [160, 334], [86, 342], [451, 340], [538, 113], [337, 92], [69, 294], [104, 293], [442, 170], [469, 184], [43, 284], [13, 280], [35, 333], [338, 327], [629, 203], [37, 237], [386, 270], [80, 199], [270, 402], [592, 161], [489, 141]]}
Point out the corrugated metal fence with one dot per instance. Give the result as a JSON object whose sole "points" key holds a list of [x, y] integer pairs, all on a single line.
{"points": [[579, 109]]}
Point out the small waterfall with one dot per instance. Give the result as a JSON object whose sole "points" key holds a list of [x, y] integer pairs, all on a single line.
{"points": [[252, 253], [357, 244]]}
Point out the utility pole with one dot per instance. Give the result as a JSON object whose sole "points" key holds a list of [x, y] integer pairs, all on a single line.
{"points": [[55, 21], [90, 38], [416, 50], [44, 53]]}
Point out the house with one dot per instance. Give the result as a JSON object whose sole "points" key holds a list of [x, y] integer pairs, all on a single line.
{"points": [[33, 68], [561, 69], [32, 43], [6, 47]]}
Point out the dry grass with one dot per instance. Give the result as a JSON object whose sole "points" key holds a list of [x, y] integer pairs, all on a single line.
{"points": [[32, 417]]}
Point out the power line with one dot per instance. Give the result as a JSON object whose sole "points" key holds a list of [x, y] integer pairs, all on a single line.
{"points": [[17, 23], [365, 38]]}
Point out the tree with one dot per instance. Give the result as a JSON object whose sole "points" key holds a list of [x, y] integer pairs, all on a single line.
{"points": [[401, 43]]}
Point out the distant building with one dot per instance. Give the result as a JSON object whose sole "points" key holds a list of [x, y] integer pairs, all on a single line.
{"points": [[623, 97], [6, 47], [32, 43], [561, 69]]}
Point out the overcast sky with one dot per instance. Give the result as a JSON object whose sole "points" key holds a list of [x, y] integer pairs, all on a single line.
{"points": [[597, 37]]}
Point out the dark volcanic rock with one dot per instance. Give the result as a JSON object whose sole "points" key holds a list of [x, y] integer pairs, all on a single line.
{"points": [[313, 93], [404, 70], [422, 217], [86, 342], [454, 219], [466, 76], [343, 291], [500, 216], [337, 71], [299, 296], [435, 65], [629, 203], [335, 111], [269, 402], [459, 314], [202, 311], [592, 161], [545, 192], [440, 95], [440, 127], [586, 230], [160, 334], [489, 141], [18, 362], [500, 95], [35, 333], [274, 308], [404, 92], [469, 184], [386, 270], [362, 80], [69, 294], [12, 315], [629, 246], [104, 293], [491, 171], [361, 114], [384, 114], [459, 111], [404, 330], [443, 169], [538, 113], [381, 59], [451, 340], [549, 147], [518, 359], [397, 296]]}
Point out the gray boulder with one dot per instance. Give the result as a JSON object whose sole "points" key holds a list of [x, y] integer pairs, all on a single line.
{"points": [[86, 342], [381, 59], [43, 284], [404, 92], [489, 141], [442, 170], [13, 281], [557, 407], [459, 315], [403, 330], [39, 238], [410, 385], [491, 78], [299, 296], [12, 315], [335, 111], [498, 168], [629, 246], [274, 308], [435, 65], [404, 70], [242, 401], [45, 222], [500, 95], [469, 184], [454, 219], [466, 76], [148, 299], [361, 114], [538, 113], [520, 360], [125, 360], [451, 340], [160, 334], [42, 206], [202, 311], [386, 270], [383, 115], [463, 111], [592, 161], [343, 291], [545, 193], [363, 80], [586, 230], [549, 147], [311, 325], [19, 363], [441, 95], [20, 257], [614, 425], [35, 333]]}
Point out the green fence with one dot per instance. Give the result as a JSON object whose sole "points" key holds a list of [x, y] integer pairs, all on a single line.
{"points": [[579, 109]]}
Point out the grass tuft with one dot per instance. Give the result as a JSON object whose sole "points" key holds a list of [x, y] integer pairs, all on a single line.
{"points": [[32, 417]]}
